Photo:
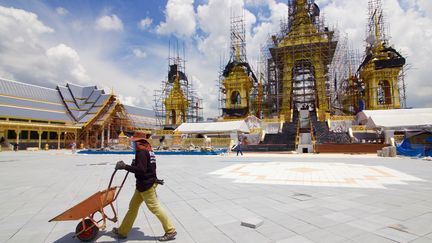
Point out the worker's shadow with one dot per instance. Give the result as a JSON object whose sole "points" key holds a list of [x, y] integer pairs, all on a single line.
{"points": [[134, 234]]}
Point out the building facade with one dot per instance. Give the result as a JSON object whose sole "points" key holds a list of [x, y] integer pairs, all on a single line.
{"points": [[41, 117]]}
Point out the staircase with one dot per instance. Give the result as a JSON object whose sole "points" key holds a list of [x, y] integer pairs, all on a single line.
{"points": [[284, 141], [305, 138], [324, 135]]}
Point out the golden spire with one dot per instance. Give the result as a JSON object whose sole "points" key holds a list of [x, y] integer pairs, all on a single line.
{"points": [[237, 56], [302, 23]]}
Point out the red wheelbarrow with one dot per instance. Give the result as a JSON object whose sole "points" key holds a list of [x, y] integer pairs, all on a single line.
{"points": [[88, 228]]}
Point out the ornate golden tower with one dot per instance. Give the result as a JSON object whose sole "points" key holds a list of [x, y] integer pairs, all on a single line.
{"points": [[238, 78], [177, 100], [302, 57], [381, 67], [176, 104], [238, 86]]}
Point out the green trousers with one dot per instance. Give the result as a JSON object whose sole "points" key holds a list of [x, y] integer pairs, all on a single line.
{"points": [[150, 198]]}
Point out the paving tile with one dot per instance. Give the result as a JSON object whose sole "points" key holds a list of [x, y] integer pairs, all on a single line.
{"points": [[420, 225], [371, 238], [295, 239], [252, 222], [422, 240], [321, 222], [396, 235], [346, 231], [381, 220], [365, 225], [339, 217], [323, 236], [242, 234]]}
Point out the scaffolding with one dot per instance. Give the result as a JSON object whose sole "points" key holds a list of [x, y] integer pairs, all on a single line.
{"points": [[300, 61], [177, 66], [349, 89]]}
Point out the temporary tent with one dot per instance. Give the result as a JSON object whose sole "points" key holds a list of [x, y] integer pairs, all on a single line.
{"points": [[396, 119], [213, 127]]}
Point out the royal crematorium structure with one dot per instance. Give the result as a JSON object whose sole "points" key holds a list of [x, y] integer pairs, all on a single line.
{"points": [[310, 86], [44, 118]]}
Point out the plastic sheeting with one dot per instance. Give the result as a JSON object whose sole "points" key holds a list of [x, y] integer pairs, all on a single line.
{"points": [[406, 148]]}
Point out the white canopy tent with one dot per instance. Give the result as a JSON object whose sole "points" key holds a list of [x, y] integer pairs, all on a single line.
{"points": [[397, 119], [390, 121], [213, 127]]}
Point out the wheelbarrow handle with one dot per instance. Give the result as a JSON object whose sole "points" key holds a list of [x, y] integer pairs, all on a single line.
{"points": [[121, 186]]}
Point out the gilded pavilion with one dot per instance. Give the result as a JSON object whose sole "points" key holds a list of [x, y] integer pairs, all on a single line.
{"points": [[41, 117]]}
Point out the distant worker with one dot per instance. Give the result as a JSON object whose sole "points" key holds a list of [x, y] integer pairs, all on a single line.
{"points": [[73, 147], [207, 141], [144, 168], [16, 147], [238, 147], [161, 142]]}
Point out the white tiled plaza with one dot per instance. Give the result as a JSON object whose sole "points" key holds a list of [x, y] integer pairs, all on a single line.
{"points": [[315, 174], [299, 198]]}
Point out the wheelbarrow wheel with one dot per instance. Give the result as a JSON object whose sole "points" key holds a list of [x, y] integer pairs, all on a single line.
{"points": [[89, 234]]}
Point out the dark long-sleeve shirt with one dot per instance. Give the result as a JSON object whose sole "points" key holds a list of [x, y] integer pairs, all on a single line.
{"points": [[144, 169]]}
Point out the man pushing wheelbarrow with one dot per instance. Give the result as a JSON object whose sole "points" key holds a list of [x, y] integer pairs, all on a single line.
{"points": [[144, 168]]}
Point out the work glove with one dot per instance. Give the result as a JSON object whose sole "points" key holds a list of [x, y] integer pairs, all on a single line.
{"points": [[160, 182], [120, 165]]}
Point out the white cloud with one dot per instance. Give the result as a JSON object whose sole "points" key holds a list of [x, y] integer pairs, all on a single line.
{"points": [[109, 23], [216, 27], [129, 100], [138, 53], [20, 24], [68, 59], [61, 11], [145, 23], [179, 19], [268, 26], [25, 56]]}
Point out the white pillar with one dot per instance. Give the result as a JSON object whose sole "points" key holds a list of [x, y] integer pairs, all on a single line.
{"points": [[58, 140], [102, 137], [109, 134], [40, 139], [17, 136]]}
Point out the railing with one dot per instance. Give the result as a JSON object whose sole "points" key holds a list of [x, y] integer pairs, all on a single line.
{"points": [[164, 132], [255, 130], [273, 120], [312, 135], [221, 119], [297, 140], [342, 118], [359, 128], [292, 114], [200, 142]]}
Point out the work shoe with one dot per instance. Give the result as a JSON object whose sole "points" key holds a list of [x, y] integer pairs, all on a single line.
{"points": [[119, 236], [168, 236]]}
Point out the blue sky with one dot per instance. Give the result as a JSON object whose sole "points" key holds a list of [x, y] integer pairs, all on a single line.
{"points": [[123, 45]]}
